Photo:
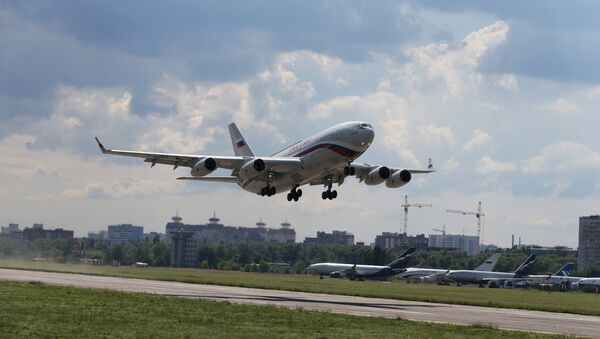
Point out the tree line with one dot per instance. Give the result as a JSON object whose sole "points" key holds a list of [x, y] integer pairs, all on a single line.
{"points": [[255, 256]]}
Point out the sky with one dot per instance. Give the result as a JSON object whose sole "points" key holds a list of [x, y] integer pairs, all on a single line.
{"points": [[502, 95]]}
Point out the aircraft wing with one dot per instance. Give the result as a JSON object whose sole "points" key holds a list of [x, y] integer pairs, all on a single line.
{"points": [[274, 165], [361, 171]]}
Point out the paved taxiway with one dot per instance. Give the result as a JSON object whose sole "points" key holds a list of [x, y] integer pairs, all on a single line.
{"points": [[562, 323]]}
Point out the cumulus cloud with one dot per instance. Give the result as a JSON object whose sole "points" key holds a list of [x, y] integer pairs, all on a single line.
{"points": [[450, 164], [562, 105], [563, 156], [455, 64], [508, 82], [488, 165], [479, 138], [437, 134]]}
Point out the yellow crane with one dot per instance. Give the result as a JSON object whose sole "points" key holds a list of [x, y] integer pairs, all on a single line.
{"points": [[479, 215], [406, 205]]}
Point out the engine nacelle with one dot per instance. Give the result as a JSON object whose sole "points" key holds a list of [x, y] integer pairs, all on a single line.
{"points": [[398, 179], [377, 176], [204, 167], [252, 168]]}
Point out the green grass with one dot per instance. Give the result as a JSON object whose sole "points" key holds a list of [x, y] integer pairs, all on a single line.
{"points": [[570, 302], [39, 310]]}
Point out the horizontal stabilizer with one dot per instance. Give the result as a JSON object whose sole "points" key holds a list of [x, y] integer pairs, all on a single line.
{"points": [[215, 179]]}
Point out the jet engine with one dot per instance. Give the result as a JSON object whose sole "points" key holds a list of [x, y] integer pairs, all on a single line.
{"points": [[252, 168], [398, 179], [204, 167], [377, 176]]}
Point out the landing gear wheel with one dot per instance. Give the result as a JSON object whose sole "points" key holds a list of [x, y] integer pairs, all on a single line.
{"points": [[324, 195], [299, 193], [333, 194], [296, 198], [349, 170], [290, 197]]}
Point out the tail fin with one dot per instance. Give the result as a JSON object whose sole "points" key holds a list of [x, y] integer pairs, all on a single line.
{"points": [[402, 260], [240, 147], [490, 263], [565, 270], [526, 266]]}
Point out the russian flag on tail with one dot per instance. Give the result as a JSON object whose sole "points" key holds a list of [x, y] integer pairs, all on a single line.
{"points": [[240, 144]]}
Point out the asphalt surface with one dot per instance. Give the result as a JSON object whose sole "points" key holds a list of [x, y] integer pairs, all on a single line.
{"points": [[522, 320]]}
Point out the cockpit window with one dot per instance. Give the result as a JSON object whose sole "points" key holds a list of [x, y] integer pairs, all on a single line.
{"points": [[363, 125]]}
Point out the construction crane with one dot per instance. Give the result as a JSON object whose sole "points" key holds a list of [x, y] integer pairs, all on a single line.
{"points": [[406, 205], [443, 231], [478, 214]]}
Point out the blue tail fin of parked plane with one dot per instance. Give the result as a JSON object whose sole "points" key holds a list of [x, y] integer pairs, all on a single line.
{"points": [[565, 270], [402, 260], [526, 266]]}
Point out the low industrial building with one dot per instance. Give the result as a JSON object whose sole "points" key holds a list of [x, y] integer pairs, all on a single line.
{"points": [[397, 241]]}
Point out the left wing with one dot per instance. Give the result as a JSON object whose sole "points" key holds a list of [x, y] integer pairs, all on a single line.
{"points": [[372, 174]]}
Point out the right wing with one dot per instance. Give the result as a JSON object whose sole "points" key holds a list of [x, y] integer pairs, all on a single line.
{"points": [[273, 164], [176, 160]]}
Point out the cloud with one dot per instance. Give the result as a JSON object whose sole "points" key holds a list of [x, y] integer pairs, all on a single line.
{"points": [[508, 82], [487, 165], [563, 157], [455, 64], [437, 134], [562, 105], [451, 164], [479, 138]]}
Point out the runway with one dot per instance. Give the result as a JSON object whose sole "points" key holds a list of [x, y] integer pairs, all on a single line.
{"points": [[548, 322]]}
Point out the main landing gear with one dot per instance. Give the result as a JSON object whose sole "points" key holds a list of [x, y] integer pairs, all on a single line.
{"points": [[268, 191], [329, 194], [294, 194], [349, 170]]}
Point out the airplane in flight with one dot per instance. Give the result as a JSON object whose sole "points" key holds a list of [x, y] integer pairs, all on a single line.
{"points": [[361, 272], [436, 275], [325, 158], [484, 277]]}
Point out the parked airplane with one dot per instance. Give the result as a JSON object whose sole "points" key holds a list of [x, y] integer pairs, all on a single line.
{"points": [[432, 275], [326, 158], [561, 278], [587, 284], [353, 271], [484, 277]]}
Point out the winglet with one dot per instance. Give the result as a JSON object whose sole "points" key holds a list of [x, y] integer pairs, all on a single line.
{"points": [[430, 165], [100, 145]]}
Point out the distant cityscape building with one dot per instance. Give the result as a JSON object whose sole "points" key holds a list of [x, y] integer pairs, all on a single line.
{"points": [[11, 228], [125, 233], [335, 237], [101, 235], [396, 241], [467, 243], [558, 250], [589, 242], [187, 240], [38, 232]]}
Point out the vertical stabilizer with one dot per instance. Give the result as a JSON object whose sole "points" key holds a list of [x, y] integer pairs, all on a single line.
{"points": [[240, 146], [565, 270], [490, 263], [402, 260], [526, 266]]}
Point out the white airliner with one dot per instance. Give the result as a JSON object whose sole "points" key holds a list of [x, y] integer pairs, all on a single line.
{"points": [[495, 278], [353, 271], [588, 284], [326, 158], [433, 275]]}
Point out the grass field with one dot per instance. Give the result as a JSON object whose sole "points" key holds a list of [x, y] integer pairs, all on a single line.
{"points": [[571, 302], [38, 310]]}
